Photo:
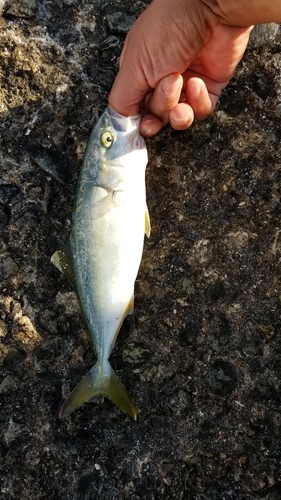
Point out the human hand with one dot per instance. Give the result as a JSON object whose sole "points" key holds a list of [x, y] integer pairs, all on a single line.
{"points": [[176, 60]]}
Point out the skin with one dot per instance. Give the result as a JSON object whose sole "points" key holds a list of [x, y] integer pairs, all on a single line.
{"points": [[180, 55]]}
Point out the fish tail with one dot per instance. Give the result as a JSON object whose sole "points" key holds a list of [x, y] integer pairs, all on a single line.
{"points": [[101, 379]]}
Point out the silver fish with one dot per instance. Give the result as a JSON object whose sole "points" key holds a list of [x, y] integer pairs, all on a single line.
{"points": [[103, 253]]}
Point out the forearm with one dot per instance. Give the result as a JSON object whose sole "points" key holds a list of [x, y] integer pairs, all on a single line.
{"points": [[246, 12]]}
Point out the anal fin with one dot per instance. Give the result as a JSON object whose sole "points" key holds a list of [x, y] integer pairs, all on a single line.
{"points": [[130, 306]]}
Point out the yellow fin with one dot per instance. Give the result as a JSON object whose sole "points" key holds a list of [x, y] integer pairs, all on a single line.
{"points": [[99, 380], [147, 223], [62, 259], [130, 306]]}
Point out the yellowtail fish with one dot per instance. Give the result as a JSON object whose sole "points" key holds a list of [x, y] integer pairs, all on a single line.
{"points": [[103, 253]]}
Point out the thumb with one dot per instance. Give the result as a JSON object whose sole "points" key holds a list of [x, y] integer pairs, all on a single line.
{"points": [[129, 89]]}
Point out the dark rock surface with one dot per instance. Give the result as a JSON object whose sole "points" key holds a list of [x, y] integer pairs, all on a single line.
{"points": [[201, 356]]}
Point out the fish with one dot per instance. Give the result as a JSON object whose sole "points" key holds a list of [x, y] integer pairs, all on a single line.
{"points": [[103, 253]]}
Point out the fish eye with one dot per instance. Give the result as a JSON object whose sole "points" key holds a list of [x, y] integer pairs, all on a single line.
{"points": [[107, 139]]}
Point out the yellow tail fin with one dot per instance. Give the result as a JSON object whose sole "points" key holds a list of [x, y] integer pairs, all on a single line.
{"points": [[101, 379]]}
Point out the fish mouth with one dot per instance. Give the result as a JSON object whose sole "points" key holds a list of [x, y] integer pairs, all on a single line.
{"points": [[123, 123], [128, 125]]}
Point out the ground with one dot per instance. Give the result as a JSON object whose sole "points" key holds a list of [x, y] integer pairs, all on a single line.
{"points": [[201, 356]]}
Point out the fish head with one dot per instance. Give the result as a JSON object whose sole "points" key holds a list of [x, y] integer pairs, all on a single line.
{"points": [[117, 149]]}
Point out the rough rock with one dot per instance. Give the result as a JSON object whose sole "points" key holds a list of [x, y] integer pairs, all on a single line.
{"points": [[120, 23], [7, 385], [263, 34], [20, 8], [201, 354]]}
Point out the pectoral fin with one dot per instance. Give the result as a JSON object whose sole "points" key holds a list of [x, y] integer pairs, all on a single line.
{"points": [[147, 223], [104, 206]]}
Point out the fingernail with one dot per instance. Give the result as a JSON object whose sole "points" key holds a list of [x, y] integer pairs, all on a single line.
{"points": [[149, 129], [194, 88]]}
